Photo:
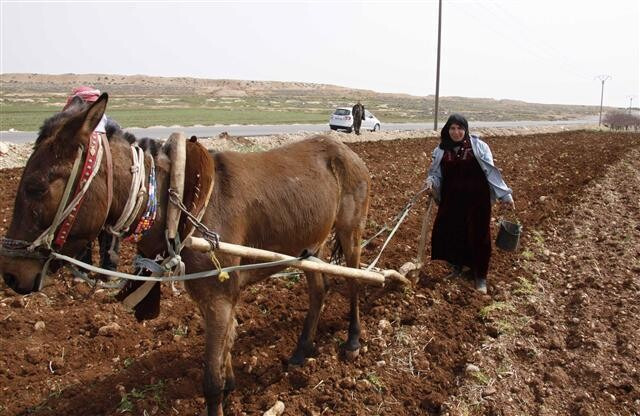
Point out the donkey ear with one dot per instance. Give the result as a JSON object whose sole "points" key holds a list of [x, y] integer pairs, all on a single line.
{"points": [[94, 113]]}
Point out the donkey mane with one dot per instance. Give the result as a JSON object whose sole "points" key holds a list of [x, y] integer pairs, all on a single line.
{"points": [[51, 125], [152, 146], [113, 130]]}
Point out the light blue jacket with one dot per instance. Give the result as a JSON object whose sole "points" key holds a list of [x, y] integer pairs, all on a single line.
{"points": [[498, 188]]}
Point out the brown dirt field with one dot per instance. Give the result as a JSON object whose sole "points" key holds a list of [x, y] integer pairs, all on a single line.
{"points": [[558, 332]]}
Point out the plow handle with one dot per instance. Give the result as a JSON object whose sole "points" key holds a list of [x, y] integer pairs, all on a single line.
{"points": [[424, 232]]}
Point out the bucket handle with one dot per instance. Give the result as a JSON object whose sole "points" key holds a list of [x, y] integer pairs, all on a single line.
{"points": [[510, 215]]}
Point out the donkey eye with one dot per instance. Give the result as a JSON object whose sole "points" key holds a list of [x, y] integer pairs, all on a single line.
{"points": [[36, 189]]}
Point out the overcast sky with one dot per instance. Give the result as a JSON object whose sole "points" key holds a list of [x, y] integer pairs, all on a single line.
{"points": [[546, 51]]}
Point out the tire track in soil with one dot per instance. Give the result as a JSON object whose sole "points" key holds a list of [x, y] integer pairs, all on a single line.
{"points": [[416, 344]]}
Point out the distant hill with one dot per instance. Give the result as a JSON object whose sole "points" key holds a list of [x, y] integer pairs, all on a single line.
{"points": [[148, 85], [142, 100]]}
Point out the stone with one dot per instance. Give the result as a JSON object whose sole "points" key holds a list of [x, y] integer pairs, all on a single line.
{"points": [[276, 410], [251, 364], [471, 368], [347, 383], [489, 391], [384, 325], [109, 330], [406, 268], [363, 385]]}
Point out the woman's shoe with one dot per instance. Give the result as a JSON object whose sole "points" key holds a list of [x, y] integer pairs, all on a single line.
{"points": [[481, 285]]}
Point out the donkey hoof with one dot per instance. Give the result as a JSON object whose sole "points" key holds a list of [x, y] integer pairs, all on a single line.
{"points": [[219, 411], [296, 360], [351, 355]]}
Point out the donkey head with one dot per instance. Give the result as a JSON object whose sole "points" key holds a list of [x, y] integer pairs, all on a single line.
{"points": [[41, 189]]}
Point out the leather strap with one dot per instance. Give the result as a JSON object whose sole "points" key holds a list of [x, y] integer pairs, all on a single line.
{"points": [[109, 160], [90, 163]]}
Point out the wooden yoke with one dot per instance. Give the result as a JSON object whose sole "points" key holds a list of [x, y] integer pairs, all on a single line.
{"points": [[198, 184], [177, 153], [192, 178]]}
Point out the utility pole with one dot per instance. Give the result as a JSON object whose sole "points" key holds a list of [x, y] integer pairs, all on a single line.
{"points": [[602, 79], [630, 103], [435, 115]]}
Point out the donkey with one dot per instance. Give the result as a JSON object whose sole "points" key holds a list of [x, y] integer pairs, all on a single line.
{"points": [[288, 200]]}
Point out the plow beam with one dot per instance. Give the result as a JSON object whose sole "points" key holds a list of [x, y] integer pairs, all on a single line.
{"points": [[371, 277]]}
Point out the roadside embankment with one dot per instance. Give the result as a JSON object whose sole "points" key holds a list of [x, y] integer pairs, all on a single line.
{"points": [[13, 155]]}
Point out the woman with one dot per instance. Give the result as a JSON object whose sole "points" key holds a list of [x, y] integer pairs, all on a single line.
{"points": [[464, 183]]}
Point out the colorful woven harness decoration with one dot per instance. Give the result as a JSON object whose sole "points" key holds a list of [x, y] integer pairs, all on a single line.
{"points": [[149, 217]]}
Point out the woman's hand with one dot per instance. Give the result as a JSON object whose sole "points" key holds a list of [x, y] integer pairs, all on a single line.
{"points": [[508, 204], [429, 188]]}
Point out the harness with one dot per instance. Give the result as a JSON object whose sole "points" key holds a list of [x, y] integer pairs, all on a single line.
{"points": [[137, 193], [48, 244], [66, 217], [171, 267]]}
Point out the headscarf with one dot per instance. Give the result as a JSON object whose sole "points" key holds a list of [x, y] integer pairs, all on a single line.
{"points": [[446, 143], [88, 94]]}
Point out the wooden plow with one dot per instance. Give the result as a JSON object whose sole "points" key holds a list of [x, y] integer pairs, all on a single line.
{"points": [[380, 278]]}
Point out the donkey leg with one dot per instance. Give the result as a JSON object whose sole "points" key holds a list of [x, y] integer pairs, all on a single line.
{"points": [[352, 346], [350, 242], [317, 292], [216, 301], [230, 378], [219, 323]]}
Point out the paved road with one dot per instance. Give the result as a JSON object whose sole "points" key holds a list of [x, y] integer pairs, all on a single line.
{"points": [[265, 130]]}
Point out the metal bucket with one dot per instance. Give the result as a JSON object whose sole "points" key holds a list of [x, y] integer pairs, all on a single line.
{"points": [[508, 235]]}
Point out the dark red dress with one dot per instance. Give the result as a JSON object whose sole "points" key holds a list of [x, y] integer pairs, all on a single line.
{"points": [[461, 232]]}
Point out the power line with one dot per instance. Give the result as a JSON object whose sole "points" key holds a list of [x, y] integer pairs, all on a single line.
{"points": [[512, 28], [556, 55]]}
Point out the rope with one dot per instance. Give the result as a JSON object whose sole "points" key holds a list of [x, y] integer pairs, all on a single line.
{"points": [[402, 215], [191, 276], [94, 283], [18, 248], [137, 191], [47, 236]]}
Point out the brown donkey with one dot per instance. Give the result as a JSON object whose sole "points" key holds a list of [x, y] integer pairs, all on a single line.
{"points": [[287, 200]]}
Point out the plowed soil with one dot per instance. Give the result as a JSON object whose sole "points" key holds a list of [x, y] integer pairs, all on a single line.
{"points": [[558, 332]]}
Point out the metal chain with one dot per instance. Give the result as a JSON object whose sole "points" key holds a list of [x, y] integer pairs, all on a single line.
{"points": [[211, 236]]}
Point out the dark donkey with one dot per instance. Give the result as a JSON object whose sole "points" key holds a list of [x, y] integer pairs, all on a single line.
{"points": [[287, 200]]}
